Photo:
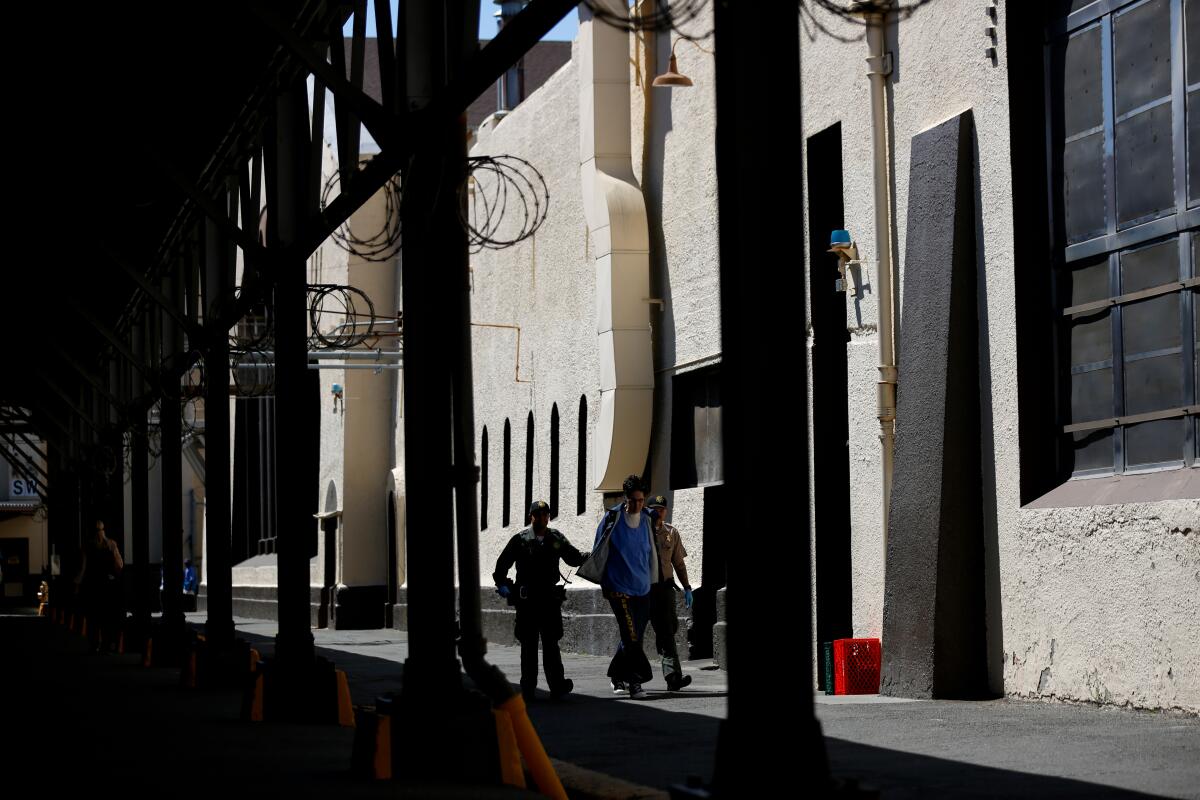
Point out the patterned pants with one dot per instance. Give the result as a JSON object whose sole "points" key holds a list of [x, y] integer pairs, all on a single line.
{"points": [[629, 664]]}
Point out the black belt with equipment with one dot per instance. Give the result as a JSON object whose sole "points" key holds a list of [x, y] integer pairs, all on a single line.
{"points": [[554, 592]]}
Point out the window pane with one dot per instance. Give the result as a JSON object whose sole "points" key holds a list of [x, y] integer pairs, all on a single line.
{"points": [[1142, 55], [1192, 11], [1093, 450], [1150, 266], [1196, 346], [1145, 171], [1193, 144], [1088, 284], [1091, 395], [1150, 325], [1090, 339], [1154, 442], [1083, 187], [1078, 62], [1153, 384]]}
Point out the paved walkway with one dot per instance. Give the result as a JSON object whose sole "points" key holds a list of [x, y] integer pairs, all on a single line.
{"points": [[133, 724]]}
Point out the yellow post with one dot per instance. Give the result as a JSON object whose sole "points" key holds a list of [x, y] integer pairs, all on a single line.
{"points": [[383, 746], [345, 705], [531, 748], [510, 754], [256, 706]]}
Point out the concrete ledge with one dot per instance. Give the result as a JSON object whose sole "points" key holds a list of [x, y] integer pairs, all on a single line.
{"points": [[586, 784], [720, 647], [1178, 484], [261, 602], [588, 624]]}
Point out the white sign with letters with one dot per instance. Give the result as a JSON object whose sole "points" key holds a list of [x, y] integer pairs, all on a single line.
{"points": [[19, 487]]}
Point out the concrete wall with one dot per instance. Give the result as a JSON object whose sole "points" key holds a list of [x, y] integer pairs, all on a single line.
{"points": [[33, 528], [366, 425], [1097, 603], [546, 286], [360, 436], [24, 526]]}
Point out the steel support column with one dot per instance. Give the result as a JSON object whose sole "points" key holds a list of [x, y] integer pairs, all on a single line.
{"points": [[218, 273], [445, 729], [139, 496], [433, 237], [171, 464], [296, 409], [762, 431]]}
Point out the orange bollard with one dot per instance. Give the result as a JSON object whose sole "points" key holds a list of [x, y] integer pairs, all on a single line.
{"points": [[383, 746], [256, 706], [510, 755], [345, 706], [531, 748]]}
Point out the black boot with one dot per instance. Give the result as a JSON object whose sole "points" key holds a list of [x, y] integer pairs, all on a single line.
{"points": [[676, 685]]}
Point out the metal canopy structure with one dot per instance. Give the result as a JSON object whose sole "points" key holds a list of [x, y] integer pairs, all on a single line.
{"points": [[182, 132]]}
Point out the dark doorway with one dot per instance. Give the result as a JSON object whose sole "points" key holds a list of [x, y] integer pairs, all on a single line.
{"points": [[14, 565], [393, 579], [831, 428], [712, 575]]}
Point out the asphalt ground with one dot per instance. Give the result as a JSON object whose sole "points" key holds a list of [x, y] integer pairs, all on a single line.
{"points": [[71, 718]]}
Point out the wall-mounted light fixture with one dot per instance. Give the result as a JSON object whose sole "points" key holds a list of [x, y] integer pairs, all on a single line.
{"points": [[673, 77]]}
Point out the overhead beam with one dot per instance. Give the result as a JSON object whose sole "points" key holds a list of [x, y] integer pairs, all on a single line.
{"points": [[67, 401], [16, 447], [513, 41], [253, 251], [151, 291], [87, 376], [112, 338], [363, 105]]}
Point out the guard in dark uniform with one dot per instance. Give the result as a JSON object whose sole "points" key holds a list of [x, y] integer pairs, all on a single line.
{"points": [[537, 596]]}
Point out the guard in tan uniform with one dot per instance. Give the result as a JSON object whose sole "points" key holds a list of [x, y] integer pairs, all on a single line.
{"points": [[669, 547]]}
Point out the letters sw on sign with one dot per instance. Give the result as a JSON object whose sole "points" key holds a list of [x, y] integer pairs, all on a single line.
{"points": [[23, 488]]}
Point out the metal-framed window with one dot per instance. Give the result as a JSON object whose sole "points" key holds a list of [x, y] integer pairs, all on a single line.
{"points": [[1123, 154]]}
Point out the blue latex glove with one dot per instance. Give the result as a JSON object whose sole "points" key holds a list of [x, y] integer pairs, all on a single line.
{"points": [[503, 591], [687, 597]]}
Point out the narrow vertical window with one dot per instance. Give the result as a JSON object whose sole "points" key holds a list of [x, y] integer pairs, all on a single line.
{"points": [[554, 461], [483, 480], [506, 491], [528, 465], [581, 471]]}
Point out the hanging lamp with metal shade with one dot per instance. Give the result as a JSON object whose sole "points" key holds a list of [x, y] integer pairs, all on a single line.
{"points": [[672, 76]]}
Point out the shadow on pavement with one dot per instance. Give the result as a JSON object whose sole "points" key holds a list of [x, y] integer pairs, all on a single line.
{"points": [[104, 722]]}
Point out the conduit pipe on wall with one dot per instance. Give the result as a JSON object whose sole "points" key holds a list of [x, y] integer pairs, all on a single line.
{"points": [[616, 217], [879, 64]]}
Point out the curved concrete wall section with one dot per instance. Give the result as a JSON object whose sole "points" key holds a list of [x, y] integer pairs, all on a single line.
{"points": [[616, 218]]}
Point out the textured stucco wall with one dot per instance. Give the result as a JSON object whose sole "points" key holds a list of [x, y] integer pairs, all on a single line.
{"points": [[366, 417], [1123, 631], [329, 264], [1101, 604], [546, 286]]}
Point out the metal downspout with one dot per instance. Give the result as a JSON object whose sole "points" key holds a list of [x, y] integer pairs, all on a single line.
{"points": [[879, 64]]}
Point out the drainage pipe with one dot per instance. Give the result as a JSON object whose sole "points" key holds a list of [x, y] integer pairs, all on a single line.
{"points": [[879, 64]]}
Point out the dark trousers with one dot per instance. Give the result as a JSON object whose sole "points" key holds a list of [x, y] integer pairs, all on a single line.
{"points": [[540, 619], [629, 664], [105, 611], [665, 619]]}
